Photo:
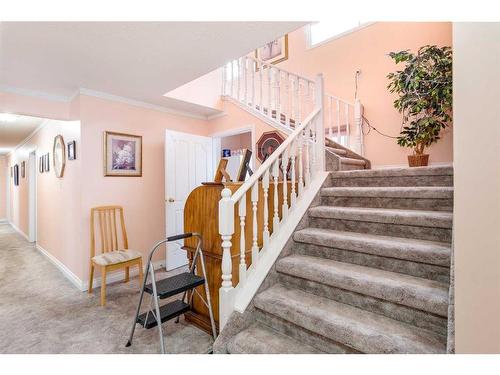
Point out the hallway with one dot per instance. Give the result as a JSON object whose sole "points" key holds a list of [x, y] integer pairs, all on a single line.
{"points": [[42, 312]]}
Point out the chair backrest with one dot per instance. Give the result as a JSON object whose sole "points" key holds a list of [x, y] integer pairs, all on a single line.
{"points": [[103, 225]]}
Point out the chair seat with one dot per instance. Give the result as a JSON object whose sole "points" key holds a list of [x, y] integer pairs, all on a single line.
{"points": [[115, 257]]}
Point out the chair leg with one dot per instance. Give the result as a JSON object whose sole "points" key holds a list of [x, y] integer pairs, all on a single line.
{"points": [[103, 286], [127, 274], [91, 277], [141, 274]]}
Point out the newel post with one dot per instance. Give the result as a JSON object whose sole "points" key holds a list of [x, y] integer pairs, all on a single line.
{"points": [[358, 124], [226, 230], [320, 123]]}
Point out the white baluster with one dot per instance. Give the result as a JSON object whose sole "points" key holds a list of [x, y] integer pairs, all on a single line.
{"points": [[276, 217], [265, 188], [224, 80], [347, 130], [286, 100], [261, 88], [293, 193], [269, 94], [242, 212], [226, 230], [238, 86], [253, 66], [320, 127], [338, 121], [245, 82], [232, 79], [300, 102], [307, 146], [314, 134], [255, 246], [277, 103], [284, 167], [330, 118], [300, 145]]}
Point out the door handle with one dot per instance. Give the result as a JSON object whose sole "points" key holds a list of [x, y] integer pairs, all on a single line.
{"points": [[170, 199]]}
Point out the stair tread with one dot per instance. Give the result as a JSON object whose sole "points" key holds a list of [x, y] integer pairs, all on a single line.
{"points": [[338, 151], [168, 311], [176, 284], [359, 329], [422, 294], [344, 160], [446, 170], [439, 219], [435, 192], [260, 339], [422, 251]]}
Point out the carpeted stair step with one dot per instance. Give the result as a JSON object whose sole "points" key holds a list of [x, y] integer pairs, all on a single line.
{"points": [[337, 151], [348, 164], [417, 293], [360, 330], [425, 225], [435, 198], [419, 176], [427, 259], [259, 339]]}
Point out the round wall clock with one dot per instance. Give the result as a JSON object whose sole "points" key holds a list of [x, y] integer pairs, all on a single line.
{"points": [[59, 151], [267, 144]]}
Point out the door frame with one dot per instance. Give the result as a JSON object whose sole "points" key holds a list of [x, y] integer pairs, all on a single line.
{"points": [[217, 148]]}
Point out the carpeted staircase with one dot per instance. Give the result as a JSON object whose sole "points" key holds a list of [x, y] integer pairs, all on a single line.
{"points": [[367, 270]]}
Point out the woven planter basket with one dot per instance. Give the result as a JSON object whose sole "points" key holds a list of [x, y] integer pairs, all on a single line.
{"points": [[418, 160]]}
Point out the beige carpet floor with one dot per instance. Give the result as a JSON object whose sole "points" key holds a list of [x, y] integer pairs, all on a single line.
{"points": [[42, 312]]}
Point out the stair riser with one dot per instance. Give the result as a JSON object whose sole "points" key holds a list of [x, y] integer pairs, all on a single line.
{"points": [[350, 167], [444, 180], [300, 334], [379, 202], [406, 231], [398, 312], [426, 271]]}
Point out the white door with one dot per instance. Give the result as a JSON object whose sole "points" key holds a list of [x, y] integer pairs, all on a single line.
{"points": [[188, 163]]}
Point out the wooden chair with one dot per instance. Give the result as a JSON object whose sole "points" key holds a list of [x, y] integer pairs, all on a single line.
{"points": [[114, 255]]}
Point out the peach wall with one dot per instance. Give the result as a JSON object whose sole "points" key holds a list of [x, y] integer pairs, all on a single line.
{"points": [[3, 184], [35, 106], [142, 197], [366, 50], [237, 141], [58, 200]]}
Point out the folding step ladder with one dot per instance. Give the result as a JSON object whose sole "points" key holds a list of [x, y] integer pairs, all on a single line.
{"points": [[185, 283]]}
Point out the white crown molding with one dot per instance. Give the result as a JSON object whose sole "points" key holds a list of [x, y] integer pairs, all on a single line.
{"points": [[35, 94], [26, 140], [138, 103]]}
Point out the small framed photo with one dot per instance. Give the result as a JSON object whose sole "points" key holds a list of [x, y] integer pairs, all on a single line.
{"points": [[40, 164], [16, 175], [23, 169], [72, 150], [46, 166], [122, 155]]}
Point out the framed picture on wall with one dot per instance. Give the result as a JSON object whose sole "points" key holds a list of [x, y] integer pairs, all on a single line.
{"points": [[46, 166], [72, 150], [40, 164], [23, 169], [16, 175], [273, 52], [122, 155], [267, 144]]}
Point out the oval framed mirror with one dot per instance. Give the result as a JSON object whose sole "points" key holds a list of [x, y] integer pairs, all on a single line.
{"points": [[59, 157]]}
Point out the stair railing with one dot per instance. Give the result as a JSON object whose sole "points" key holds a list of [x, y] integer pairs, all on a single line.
{"points": [[285, 98], [294, 165], [342, 119], [269, 91]]}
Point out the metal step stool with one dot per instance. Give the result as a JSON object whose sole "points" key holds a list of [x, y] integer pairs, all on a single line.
{"points": [[185, 283]]}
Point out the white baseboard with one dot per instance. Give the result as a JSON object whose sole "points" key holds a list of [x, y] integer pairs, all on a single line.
{"points": [[25, 236], [3, 221], [84, 285], [75, 280]]}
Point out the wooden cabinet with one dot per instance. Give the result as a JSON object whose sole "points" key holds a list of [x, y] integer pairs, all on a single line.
{"points": [[201, 215]]}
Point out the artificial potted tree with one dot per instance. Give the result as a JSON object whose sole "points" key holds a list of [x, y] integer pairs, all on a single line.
{"points": [[424, 89]]}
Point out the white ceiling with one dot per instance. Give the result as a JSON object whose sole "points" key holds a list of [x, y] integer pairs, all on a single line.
{"points": [[14, 129], [136, 60]]}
